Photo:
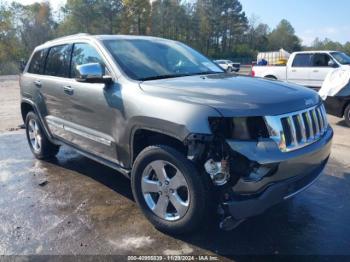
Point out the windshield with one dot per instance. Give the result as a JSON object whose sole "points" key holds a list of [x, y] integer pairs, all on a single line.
{"points": [[341, 57], [147, 59]]}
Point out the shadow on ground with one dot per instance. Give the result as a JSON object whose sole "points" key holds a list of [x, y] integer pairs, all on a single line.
{"points": [[88, 208], [315, 222]]}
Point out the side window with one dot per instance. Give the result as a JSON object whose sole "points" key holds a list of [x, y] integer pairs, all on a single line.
{"points": [[36, 65], [83, 54], [57, 63], [321, 60], [302, 60]]}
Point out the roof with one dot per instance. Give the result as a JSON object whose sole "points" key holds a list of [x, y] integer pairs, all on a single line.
{"points": [[85, 36], [316, 51]]}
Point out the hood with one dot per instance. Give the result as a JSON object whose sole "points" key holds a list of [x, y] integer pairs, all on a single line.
{"points": [[233, 95]]}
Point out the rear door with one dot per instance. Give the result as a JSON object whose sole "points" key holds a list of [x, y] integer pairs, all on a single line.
{"points": [[320, 69], [53, 80], [300, 70], [31, 79]]}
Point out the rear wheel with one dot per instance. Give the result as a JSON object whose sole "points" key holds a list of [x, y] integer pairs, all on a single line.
{"points": [[347, 115], [38, 142], [270, 77], [169, 190]]}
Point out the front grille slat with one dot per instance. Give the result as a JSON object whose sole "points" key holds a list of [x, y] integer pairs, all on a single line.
{"points": [[320, 120], [292, 130], [296, 130], [311, 125], [302, 128], [315, 120]]}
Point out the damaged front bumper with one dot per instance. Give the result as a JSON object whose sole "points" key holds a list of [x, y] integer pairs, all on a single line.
{"points": [[295, 171]]}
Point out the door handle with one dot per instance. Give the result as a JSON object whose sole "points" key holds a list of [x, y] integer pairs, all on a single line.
{"points": [[294, 70], [315, 71], [37, 83], [68, 90]]}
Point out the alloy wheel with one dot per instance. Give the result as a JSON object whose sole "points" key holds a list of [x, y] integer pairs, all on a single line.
{"points": [[34, 135], [165, 190]]}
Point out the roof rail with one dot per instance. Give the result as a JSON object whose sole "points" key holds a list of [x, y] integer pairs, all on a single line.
{"points": [[67, 36]]}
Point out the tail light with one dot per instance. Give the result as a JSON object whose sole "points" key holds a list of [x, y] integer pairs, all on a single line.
{"points": [[253, 73]]}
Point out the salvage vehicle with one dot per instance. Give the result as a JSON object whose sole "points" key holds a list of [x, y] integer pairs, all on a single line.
{"points": [[228, 65], [339, 106], [196, 142], [335, 92], [308, 68]]}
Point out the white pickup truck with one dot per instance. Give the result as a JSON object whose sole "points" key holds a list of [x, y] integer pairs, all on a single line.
{"points": [[308, 68]]}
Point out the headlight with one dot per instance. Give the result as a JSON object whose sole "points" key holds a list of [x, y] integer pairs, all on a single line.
{"points": [[241, 128]]}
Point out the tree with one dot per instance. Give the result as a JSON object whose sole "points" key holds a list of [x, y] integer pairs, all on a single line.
{"points": [[283, 36], [9, 50], [136, 17], [326, 44], [170, 19], [257, 35], [34, 24]]}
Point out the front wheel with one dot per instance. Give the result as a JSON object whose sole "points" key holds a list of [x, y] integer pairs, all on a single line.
{"points": [[347, 115], [169, 190]]}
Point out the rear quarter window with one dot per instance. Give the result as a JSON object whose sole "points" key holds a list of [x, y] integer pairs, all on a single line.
{"points": [[58, 61], [37, 62]]}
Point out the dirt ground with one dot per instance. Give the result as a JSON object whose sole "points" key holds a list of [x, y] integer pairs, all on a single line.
{"points": [[74, 206]]}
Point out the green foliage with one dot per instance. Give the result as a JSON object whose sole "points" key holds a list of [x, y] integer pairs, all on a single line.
{"points": [[218, 28], [283, 36]]}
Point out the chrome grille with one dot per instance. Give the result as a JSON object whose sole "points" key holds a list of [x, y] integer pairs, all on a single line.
{"points": [[298, 129]]}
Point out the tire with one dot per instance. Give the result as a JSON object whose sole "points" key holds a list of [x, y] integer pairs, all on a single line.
{"points": [[270, 77], [347, 115], [175, 219], [229, 70], [38, 142]]}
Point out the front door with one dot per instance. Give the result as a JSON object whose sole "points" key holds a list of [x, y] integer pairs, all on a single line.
{"points": [[92, 119], [320, 69]]}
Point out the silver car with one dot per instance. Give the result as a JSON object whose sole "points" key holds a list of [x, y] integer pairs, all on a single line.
{"points": [[195, 142]]}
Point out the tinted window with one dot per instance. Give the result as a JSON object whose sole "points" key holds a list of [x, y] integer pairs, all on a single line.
{"points": [[321, 60], [58, 59], [302, 60], [84, 54], [37, 63]]}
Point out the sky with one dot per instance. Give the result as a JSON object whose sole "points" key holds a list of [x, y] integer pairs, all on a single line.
{"points": [[310, 18]]}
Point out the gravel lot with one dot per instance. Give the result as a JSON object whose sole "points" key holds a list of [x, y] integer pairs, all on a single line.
{"points": [[72, 205]]}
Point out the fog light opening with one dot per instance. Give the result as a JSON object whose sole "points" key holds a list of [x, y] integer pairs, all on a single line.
{"points": [[260, 172]]}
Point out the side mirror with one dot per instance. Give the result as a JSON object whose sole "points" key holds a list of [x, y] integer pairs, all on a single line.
{"points": [[92, 73], [331, 63]]}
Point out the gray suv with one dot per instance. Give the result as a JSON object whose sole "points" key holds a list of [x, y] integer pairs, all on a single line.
{"points": [[196, 142]]}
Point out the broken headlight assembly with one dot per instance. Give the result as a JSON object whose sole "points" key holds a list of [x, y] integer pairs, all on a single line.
{"points": [[240, 128], [221, 163]]}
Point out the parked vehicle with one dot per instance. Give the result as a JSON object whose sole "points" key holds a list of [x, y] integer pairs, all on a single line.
{"points": [[339, 106], [228, 65], [193, 140], [308, 68]]}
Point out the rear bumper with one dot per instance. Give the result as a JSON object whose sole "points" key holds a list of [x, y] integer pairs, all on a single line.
{"points": [[295, 173]]}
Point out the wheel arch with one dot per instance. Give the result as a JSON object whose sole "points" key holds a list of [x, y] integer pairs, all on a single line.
{"points": [[143, 137], [28, 106], [270, 77]]}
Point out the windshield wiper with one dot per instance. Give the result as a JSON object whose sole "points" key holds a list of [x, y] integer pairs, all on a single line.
{"points": [[179, 75], [161, 77]]}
